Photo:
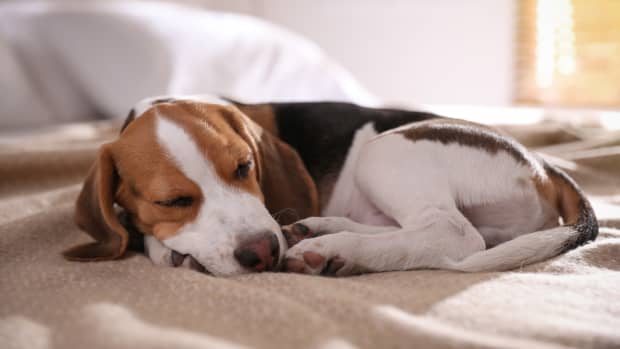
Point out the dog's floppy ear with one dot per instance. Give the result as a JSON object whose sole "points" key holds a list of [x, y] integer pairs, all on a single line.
{"points": [[287, 187], [285, 181], [94, 213]]}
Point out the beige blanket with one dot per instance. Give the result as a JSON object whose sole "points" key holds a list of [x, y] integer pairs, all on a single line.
{"points": [[47, 302]]}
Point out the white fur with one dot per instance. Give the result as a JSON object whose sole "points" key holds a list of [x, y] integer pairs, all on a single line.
{"points": [[523, 250], [346, 199], [226, 215], [444, 236], [335, 224], [397, 204], [425, 186], [422, 174], [157, 252]]}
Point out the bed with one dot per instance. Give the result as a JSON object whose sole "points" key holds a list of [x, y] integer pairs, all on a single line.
{"points": [[48, 302], [572, 301]]}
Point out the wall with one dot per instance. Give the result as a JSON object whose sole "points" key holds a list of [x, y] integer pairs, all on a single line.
{"points": [[408, 51]]}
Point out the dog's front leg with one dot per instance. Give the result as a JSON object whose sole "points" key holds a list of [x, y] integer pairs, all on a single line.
{"points": [[447, 237], [159, 254], [162, 256], [312, 227]]}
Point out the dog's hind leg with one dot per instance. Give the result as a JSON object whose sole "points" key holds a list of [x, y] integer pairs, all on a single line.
{"points": [[411, 187]]}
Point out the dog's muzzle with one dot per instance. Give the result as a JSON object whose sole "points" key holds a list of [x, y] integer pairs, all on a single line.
{"points": [[260, 252]]}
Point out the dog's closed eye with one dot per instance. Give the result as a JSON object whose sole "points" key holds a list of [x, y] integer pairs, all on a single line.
{"points": [[180, 201], [243, 169]]}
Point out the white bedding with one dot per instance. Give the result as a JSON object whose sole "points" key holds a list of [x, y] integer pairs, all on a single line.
{"points": [[68, 61]]}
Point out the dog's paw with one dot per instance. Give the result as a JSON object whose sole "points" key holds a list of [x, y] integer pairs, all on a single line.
{"points": [[161, 255], [312, 227], [314, 257], [298, 231]]}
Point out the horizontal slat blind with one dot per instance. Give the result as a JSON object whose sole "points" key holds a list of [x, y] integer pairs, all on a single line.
{"points": [[568, 53]]}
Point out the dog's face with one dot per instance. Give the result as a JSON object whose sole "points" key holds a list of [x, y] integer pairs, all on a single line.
{"points": [[200, 178]]}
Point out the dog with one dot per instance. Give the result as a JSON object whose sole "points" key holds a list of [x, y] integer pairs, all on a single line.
{"points": [[370, 190]]}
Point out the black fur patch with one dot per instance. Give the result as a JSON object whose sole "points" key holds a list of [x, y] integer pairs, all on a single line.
{"points": [[322, 133], [587, 226], [467, 134], [163, 100], [136, 237], [132, 113], [130, 118]]}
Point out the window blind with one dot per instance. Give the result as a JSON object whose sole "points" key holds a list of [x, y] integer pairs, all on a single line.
{"points": [[568, 53]]}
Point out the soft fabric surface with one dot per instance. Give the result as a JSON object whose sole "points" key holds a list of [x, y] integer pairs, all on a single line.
{"points": [[47, 302], [64, 61]]}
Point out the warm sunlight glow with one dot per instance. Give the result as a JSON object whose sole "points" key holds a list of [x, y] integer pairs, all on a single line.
{"points": [[555, 40], [611, 120], [545, 37], [565, 38], [458, 333]]}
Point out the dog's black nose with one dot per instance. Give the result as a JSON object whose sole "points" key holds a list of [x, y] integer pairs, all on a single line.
{"points": [[259, 252]]}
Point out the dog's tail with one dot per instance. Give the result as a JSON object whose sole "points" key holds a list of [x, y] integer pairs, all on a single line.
{"points": [[580, 226]]}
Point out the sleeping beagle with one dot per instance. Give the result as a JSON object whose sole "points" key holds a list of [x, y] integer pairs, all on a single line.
{"points": [[210, 182]]}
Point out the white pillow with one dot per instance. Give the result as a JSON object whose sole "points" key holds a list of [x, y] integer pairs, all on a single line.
{"points": [[105, 57]]}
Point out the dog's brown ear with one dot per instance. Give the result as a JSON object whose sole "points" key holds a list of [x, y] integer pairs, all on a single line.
{"points": [[94, 213], [286, 184], [288, 189]]}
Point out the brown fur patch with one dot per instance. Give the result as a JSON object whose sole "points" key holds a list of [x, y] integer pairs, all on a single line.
{"points": [[147, 175], [95, 213], [547, 190], [210, 127], [574, 208], [286, 183], [141, 173], [561, 193], [226, 137], [450, 131], [262, 114], [289, 190]]}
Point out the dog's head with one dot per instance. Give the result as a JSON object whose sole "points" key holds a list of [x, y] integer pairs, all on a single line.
{"points": [[204, 179]]}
